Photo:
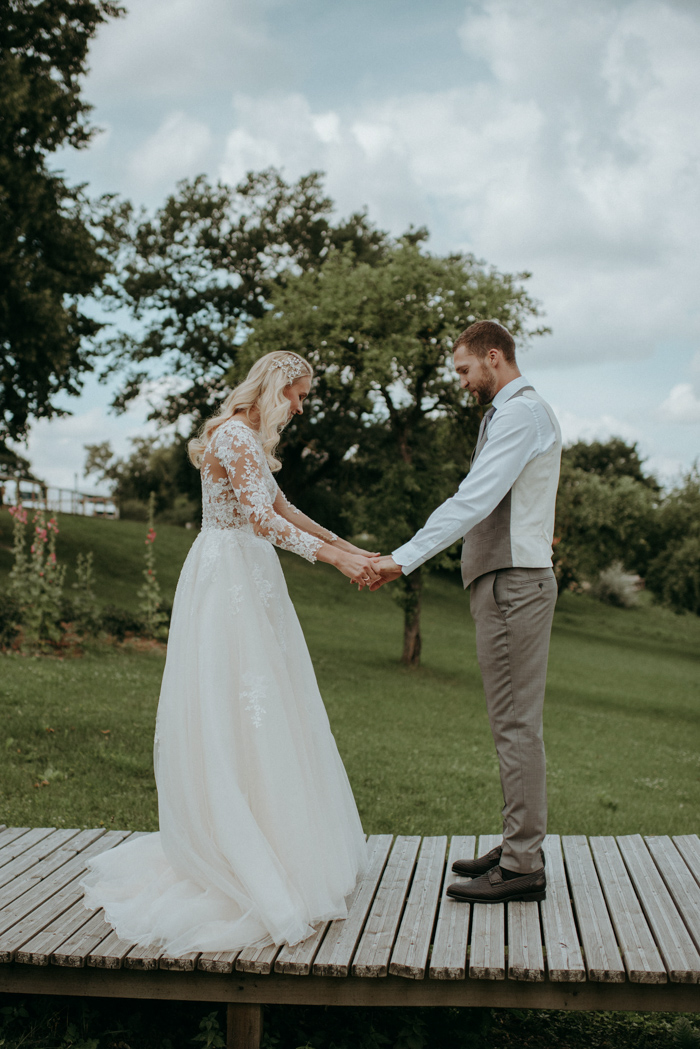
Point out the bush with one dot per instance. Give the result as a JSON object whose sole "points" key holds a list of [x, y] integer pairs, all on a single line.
{"points": [[616, 587], [10, 614], [119, 622], [674, 576]]}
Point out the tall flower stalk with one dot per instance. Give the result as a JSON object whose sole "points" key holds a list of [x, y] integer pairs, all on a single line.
{"points": [[36, 579], [149, 593]]}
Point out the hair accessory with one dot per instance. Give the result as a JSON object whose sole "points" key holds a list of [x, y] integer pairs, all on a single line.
{"points": [[292, 366]]}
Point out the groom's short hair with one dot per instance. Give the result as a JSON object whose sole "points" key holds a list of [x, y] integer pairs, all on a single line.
{"points": [[483, 336]]}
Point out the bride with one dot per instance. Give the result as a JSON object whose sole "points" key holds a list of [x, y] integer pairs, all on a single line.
{"points": [[259, 837]]}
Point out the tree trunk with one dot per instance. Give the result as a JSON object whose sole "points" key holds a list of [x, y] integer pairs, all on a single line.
{"points": [[413, 588]]}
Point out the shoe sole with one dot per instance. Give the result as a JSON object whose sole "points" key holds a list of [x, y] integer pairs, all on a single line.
{"points": [[524, 897]]}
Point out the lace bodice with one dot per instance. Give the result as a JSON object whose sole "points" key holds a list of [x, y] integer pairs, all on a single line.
{"points": [[239, 491]]}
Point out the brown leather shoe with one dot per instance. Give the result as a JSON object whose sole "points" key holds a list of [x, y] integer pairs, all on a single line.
{"points": [[491, 888], [482, 864]]}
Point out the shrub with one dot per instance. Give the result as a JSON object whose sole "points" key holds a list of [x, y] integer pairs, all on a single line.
{"points": [[674, 576], [119, 622], [9, 620], [616, 587]]}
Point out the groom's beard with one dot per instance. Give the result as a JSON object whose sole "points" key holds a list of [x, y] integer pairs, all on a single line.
{"points": [[485, 389]]}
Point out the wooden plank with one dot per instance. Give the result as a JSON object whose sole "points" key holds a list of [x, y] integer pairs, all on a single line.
{"points": [[680, 882], [50, 875], [66, 893], [183, 963], [297, 960], [639, 953], [374, 950], [448, 958], [144, 958], [525, 957], [672, 938], [74, 951], [487, 958], [564, 957], [25, 854], [109, 953], [7, 837], [689, 847], [64, 923], [409, 957], [602, 955], [341, 939], [217, 961], [258, 960], [244, 1026]]}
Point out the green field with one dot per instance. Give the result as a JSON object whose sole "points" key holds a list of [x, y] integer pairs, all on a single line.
{"points": [[623, 743], [622, 715]]}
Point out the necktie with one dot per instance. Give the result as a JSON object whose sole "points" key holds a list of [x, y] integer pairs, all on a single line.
{"points": [[481, 439]]}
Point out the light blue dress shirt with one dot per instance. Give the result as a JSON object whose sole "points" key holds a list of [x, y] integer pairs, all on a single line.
{"points": [[519, 430]]}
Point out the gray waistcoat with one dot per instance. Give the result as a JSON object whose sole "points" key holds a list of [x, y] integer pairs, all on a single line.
{"points": [[519, 532]]}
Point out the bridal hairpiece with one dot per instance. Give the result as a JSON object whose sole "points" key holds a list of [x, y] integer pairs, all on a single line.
{"points": [[292, 366]]}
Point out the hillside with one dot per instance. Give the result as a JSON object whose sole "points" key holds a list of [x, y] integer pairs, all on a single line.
{"points": [[118, 548], [622, 722]]}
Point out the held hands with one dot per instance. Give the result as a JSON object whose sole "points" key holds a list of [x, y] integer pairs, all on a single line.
{"points": [[386, 571]]}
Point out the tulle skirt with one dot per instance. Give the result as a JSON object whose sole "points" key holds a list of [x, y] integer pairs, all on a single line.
{"points": [[260, 837]]}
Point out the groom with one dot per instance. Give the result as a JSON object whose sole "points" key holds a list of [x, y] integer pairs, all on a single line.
{"points": [[504, 508]]}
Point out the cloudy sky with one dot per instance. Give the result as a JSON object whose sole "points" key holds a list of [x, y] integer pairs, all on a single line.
{"points": [[543, 135]]}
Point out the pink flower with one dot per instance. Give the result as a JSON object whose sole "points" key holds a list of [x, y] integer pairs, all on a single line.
{"points": [[52, 559], [19, 514]]}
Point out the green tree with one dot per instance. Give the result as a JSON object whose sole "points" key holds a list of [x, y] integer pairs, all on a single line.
{"points": [[674, 574], [388, 432], [155, 466], [51, 254], [606, 511], [610, 459], [198, 272], [602, 519]]}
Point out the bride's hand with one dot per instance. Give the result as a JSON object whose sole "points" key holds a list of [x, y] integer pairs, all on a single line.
{"points": [[358, 567], [343, 544]]}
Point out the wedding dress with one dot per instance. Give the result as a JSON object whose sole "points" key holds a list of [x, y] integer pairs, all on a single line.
{"points": [[259, 836]]}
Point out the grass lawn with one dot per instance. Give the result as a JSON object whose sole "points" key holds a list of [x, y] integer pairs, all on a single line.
{"points": [[623, 743], [622, 717]]}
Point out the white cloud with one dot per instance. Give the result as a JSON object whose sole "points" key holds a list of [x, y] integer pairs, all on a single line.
{"points": [[172, 49], [575, 427], [574, 156], [682, 405], [177, 149]]}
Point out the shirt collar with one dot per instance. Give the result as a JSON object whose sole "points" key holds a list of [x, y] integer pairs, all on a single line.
{"points": [[507, 391]]}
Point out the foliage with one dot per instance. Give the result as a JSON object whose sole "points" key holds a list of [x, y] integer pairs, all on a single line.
{"points": [[119, 623], [402, 734], [155, 466], [196, 273], [600, 519], [36, 579], [610, 460], [210, 1036], [388, 431], [52, 254], [616, 587], [86, 610], [674, 574], [150, 599]]}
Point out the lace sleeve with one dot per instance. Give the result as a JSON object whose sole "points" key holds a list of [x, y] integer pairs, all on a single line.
{"points": [[239, 452], [302, 521]]}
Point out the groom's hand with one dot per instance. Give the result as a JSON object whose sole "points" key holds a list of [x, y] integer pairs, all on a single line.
{"points": [[388, 570]]}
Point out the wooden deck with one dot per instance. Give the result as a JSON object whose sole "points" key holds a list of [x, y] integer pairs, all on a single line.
{"points": [[620, 929]]}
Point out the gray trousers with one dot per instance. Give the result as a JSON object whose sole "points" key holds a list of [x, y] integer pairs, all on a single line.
{"points": [[513, 610]]}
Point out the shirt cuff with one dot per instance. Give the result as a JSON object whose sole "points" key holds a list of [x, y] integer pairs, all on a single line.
{"points": [[406, 558]]}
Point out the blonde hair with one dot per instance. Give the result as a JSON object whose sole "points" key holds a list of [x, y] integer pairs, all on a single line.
{"points": [[263, 388]]}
